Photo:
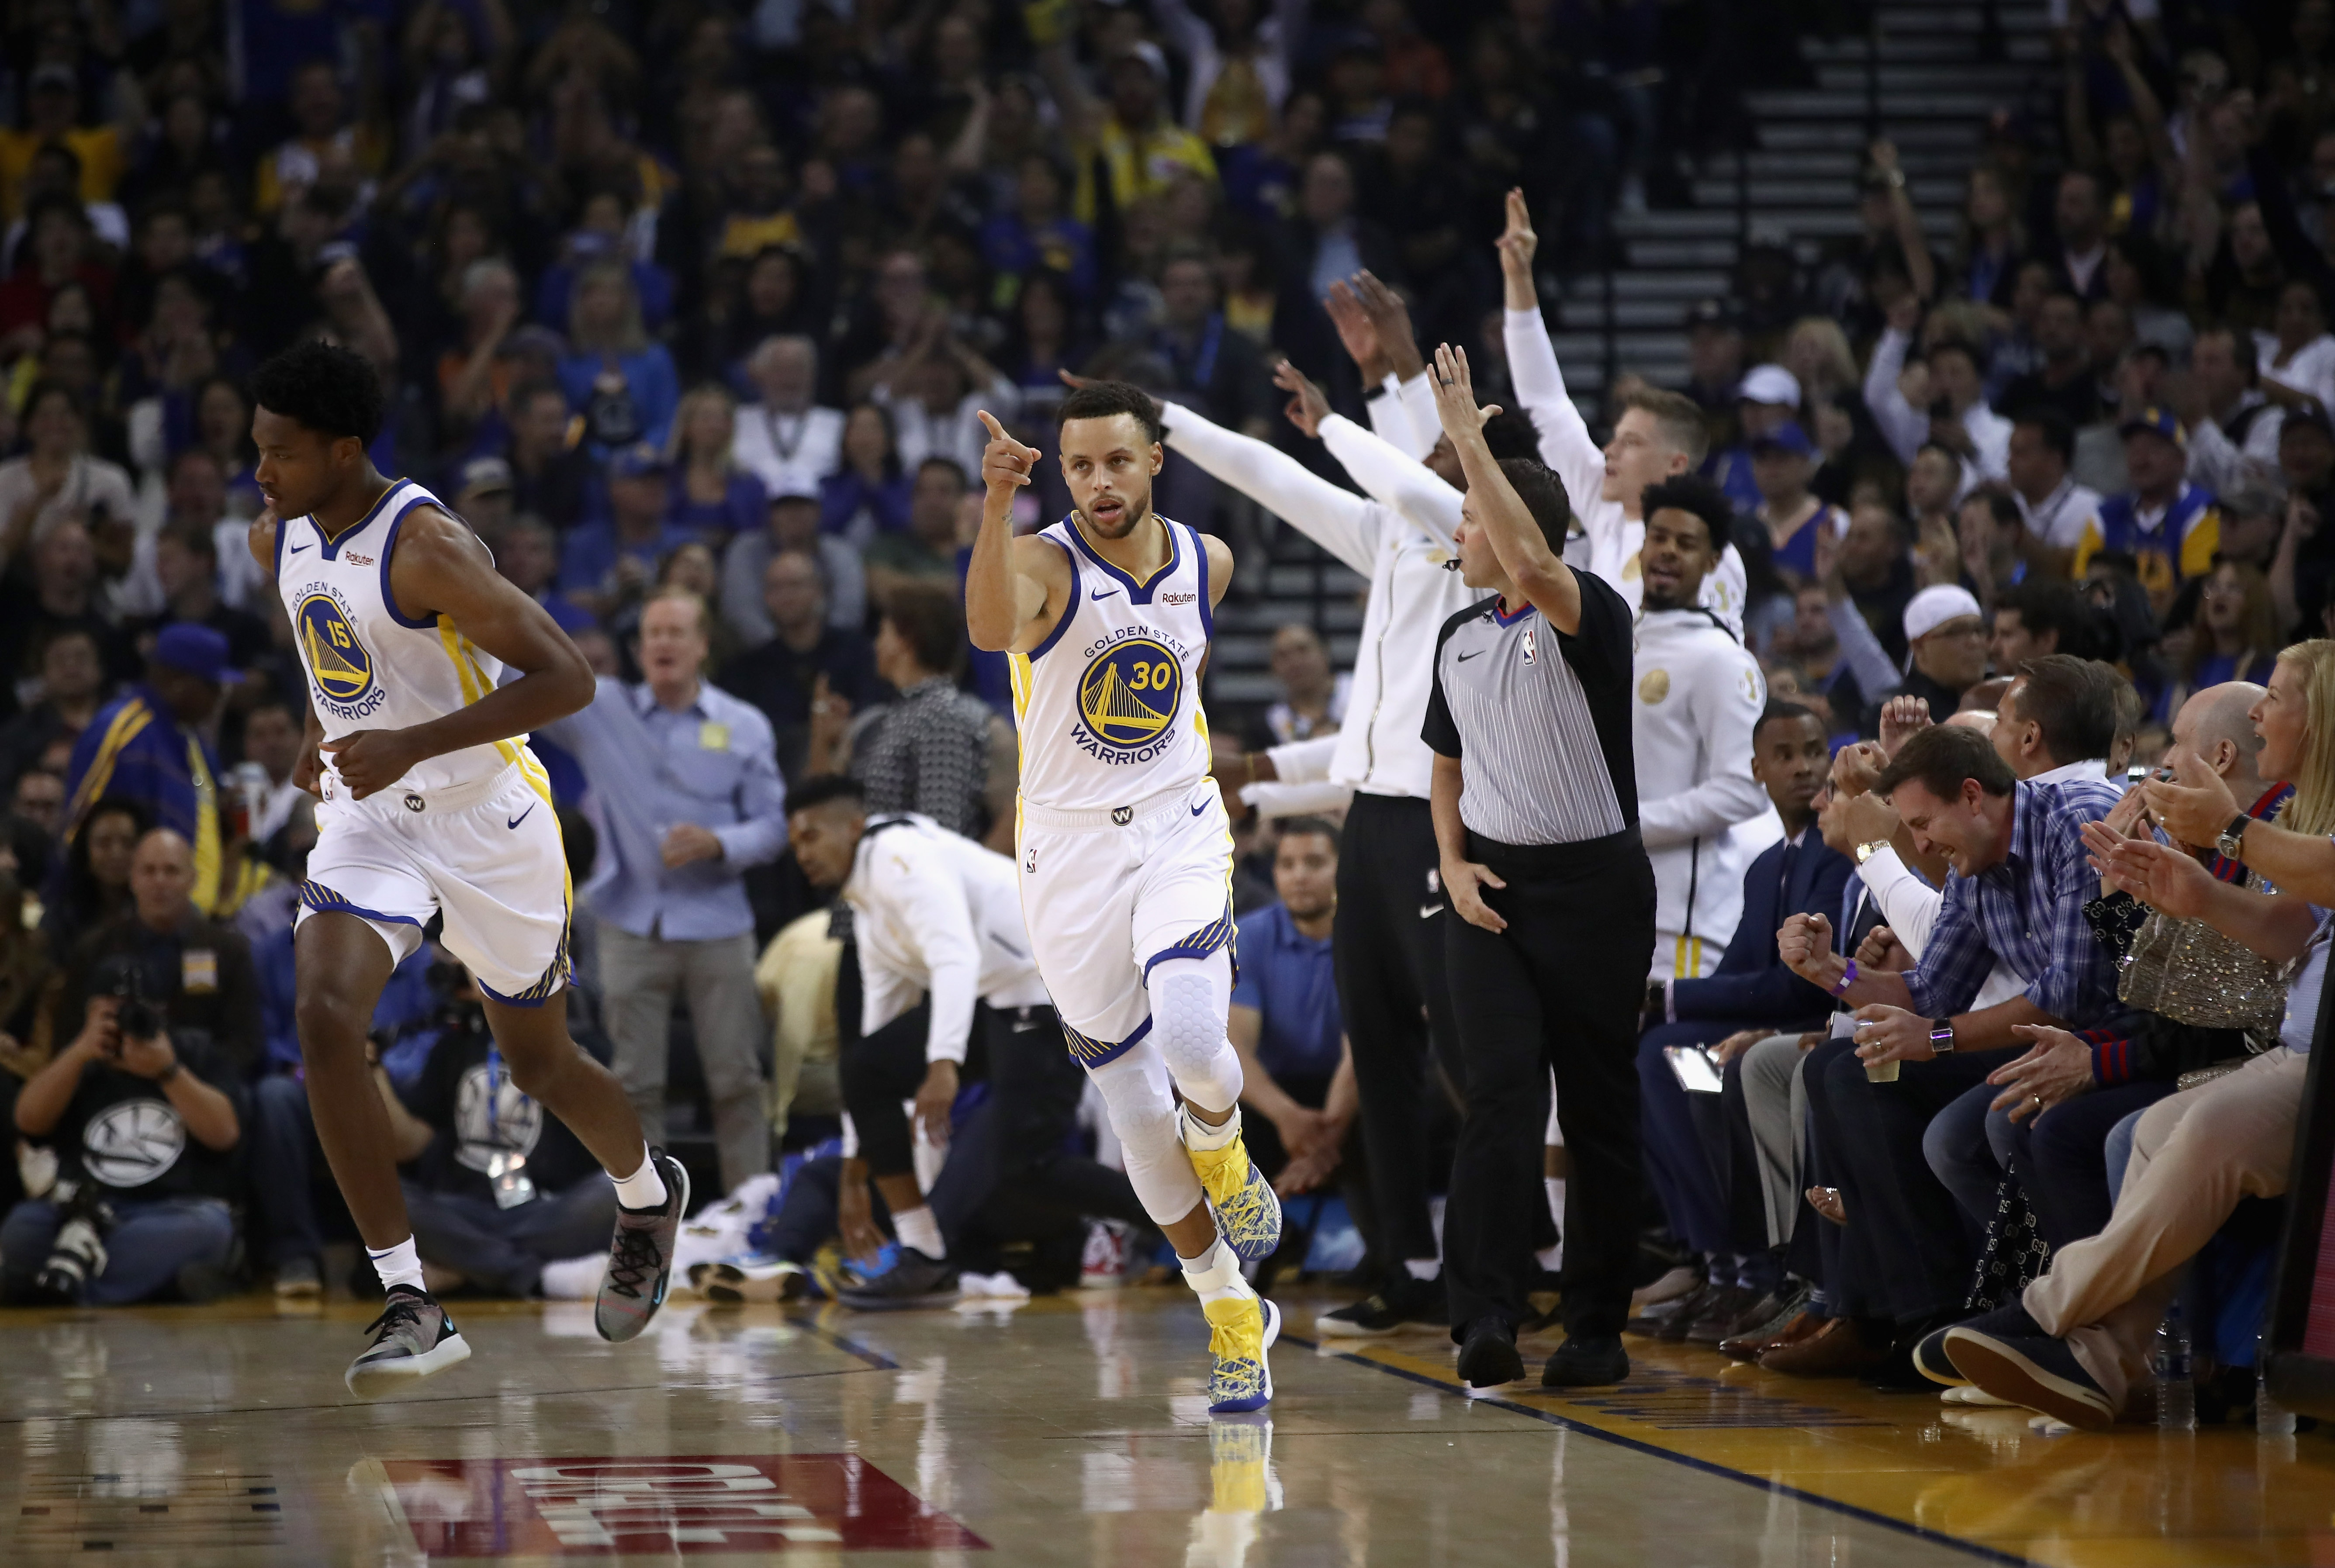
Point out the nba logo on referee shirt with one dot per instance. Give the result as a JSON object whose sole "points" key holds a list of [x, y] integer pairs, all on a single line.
{"points": [[1531, 655]]}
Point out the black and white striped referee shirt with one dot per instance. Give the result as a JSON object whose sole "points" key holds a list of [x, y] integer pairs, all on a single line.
{"points": [[1540, 720]]}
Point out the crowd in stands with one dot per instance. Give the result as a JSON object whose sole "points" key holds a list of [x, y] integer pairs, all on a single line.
{"points": [[690, 314]]}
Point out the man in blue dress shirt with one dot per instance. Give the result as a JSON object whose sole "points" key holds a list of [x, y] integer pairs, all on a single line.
{"points": [[689, 791]]}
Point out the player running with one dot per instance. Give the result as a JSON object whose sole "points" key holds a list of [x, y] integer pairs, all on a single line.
{"points": [[432, 805], [1124, 849]]}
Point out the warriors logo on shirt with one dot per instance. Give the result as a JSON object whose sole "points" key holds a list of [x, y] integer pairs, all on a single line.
{"points": [[132, 1142], [338, 663], [1128, 697]]}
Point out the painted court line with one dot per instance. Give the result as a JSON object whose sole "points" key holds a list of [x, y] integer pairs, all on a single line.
{"points": [[1850, 1510]]}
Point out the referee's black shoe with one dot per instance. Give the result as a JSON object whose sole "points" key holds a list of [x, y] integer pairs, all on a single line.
{"points": [[1404, 1304], [1591, 1361], [1489, 1355]]}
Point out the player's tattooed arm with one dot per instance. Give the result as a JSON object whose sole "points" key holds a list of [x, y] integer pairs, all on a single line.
{"points": [[1015, 590], [441, 570]]}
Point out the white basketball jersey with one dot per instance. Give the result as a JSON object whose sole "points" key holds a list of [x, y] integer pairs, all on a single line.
{"points": [[1109, 705], [369, 667]]}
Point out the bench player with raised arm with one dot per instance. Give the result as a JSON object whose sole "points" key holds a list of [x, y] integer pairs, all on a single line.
{"points": [[1122, 842], [432, 805]]}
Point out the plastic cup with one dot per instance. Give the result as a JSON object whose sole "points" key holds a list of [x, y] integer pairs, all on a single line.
{"points": [[1882, 1072]]}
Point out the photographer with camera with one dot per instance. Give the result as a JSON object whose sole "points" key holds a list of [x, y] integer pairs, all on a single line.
{"points": [[146, 1125]]}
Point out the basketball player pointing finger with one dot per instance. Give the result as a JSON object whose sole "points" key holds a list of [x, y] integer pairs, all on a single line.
{"points": [[1125, 854], [432, 805]]}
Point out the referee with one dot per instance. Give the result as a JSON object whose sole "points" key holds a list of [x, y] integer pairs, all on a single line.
{"points": [[1536, 811]]}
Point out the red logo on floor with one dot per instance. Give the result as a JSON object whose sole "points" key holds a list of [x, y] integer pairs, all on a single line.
{"points": [[598, 1507]]}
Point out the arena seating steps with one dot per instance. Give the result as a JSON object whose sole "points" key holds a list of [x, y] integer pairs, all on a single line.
{"points": [[1935, 92]]}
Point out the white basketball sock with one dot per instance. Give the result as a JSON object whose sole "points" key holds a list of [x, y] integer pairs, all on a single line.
{"points": [[643, 1189], [397, 1265], [916, 1228], [1216, 1274]]}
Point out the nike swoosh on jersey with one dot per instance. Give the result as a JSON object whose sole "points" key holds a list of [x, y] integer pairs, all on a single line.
{"points": [[1463, 658], [1203, 806], [1102, 593], [1429, 911], [521, 817], [295, 549]]}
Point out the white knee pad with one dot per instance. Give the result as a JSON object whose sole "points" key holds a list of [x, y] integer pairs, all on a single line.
{"points": [[1142, 1104], [1189, 1000]]}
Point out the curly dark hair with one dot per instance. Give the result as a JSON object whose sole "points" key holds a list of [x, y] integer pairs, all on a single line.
{"points": [[1103, 399], [326, 388]]}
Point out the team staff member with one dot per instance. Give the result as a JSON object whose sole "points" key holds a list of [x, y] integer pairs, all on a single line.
{"points": [[1535, 813], [1659, 436], [937, 917], [1389, 960], [1698, 697]]}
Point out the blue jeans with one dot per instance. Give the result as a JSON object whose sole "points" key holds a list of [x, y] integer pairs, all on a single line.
{"points": [[504, 1250], [151, 1239], [282, 1140]]}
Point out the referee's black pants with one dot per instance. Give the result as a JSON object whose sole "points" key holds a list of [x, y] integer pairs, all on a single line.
{"points": [[1559, 991], [1387, 948]]}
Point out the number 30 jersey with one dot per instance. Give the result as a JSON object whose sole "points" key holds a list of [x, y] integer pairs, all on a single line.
{"points": [[1109, 705], [369, 667]]}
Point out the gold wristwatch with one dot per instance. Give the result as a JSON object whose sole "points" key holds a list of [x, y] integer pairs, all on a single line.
{"points": [[1869, 848]]}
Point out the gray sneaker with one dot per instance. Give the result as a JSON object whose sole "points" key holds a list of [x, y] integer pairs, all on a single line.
{"points": [[640, 1259], [415, 1338]]}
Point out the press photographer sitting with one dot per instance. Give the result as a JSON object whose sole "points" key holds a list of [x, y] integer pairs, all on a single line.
{"points": [[146, 1118]]}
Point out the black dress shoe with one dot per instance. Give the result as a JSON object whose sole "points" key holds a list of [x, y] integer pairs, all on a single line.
{"points": [[1488, 1356], [1589, 1362], [1721, 1314]]}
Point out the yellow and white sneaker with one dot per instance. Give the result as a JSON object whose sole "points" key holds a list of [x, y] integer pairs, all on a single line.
{"points": [[1247, 1210], [1241, 1330]]}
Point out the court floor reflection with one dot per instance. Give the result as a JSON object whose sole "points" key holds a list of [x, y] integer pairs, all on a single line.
{"points": [[1062, 1432]]}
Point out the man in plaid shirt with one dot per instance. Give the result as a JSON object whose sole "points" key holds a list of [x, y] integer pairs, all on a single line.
{"points": [[2019, 879]]}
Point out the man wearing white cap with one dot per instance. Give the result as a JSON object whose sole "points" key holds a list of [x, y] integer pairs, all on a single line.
{"points": [[1946, 633], [1766, 400]]}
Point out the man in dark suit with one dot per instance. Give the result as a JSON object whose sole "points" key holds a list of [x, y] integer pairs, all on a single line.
{"points": [[1685, 1141]]}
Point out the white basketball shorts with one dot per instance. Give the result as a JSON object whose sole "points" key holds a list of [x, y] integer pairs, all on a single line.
{"points": [[1107, 895], [485, 855]]}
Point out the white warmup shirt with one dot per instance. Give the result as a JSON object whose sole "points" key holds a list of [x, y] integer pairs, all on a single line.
{"points": [[1611, 538], [789, 453], [1697, 697], [1906, 427], [935, 913], [1408, 556]]}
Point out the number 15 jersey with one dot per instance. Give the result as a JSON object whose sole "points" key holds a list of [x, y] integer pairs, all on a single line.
{"points": [[369, 667], [1108, 706]]}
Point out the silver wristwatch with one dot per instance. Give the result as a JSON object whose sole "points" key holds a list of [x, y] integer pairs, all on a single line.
{"points": [[2232, 841], [1942, 1036]]}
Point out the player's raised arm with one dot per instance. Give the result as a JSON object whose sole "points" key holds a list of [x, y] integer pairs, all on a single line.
{"points": [[1539, 574], [441, 569], [1014, 589]]}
